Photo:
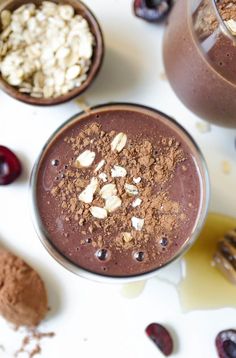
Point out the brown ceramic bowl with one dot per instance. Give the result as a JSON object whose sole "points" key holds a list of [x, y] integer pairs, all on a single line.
{"points": [[97, 58]]}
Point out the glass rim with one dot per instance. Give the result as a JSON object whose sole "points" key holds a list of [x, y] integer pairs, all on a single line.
{"points": [[82, 272]]}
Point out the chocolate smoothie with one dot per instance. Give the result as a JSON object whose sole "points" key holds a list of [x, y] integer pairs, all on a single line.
{"points": [[200, 57], [119, 190]]}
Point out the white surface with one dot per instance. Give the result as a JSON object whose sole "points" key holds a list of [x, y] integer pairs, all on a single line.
{"points": [[93, 319]]}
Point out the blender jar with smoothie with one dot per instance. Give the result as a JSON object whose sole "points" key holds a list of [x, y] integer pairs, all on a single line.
{"points": [[200, 57]]}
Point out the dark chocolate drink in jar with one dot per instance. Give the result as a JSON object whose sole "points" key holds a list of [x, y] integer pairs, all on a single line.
{"points": [[120, 191], [200, 57]]}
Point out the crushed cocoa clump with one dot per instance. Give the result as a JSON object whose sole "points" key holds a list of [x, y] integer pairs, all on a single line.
{"points": [[140, 170]]}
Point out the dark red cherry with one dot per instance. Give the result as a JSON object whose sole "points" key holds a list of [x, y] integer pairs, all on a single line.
{"points": [[10, 167], [152, 10], [226, 343], [161, 337]]}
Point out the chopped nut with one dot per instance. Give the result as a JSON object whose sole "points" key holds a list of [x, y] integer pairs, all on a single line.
{"points": [[118, 171], [137, 223], [85, 159], [86, 196], [108, 190], [112, 203], [131, 189], [127, 237], [103, 177], [136, 202], [97, 212], [137, 180], [99, 165], [81, 222], [119, 142]]}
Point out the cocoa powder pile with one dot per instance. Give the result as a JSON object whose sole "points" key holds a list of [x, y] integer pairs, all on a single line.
{"points": [[23, 301], [23, 298], [139, 175]]}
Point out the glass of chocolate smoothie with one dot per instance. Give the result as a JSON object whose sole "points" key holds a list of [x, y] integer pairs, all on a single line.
{"points": [[118, 192], [200, 57]]}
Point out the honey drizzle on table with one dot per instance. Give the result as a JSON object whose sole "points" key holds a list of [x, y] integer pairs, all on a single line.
{"points": [[203, 286]]}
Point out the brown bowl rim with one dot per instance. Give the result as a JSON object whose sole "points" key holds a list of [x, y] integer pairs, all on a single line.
{"points": [[95, 67]]}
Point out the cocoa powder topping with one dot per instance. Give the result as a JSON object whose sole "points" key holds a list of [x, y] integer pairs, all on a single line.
{"points": [[121, 198]]}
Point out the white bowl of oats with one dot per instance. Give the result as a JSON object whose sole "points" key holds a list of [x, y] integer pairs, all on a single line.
{"points": [[50, 51]]}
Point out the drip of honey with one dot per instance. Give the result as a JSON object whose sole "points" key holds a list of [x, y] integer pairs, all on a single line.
{"points": [[203, 286]]}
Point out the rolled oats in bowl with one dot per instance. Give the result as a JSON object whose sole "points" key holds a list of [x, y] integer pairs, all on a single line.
{"points": [[45, 51]]}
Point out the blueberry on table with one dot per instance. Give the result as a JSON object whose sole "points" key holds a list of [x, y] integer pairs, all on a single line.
{"points": [[152, 10], [226, 343], [161, 337], [10, 166]]}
